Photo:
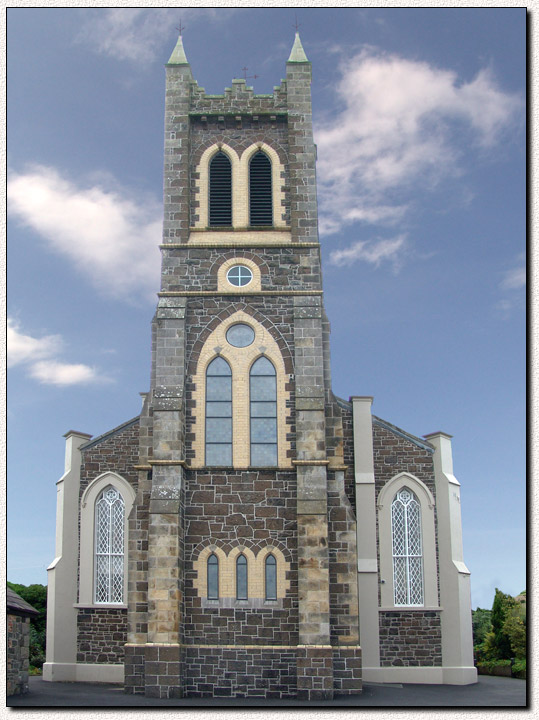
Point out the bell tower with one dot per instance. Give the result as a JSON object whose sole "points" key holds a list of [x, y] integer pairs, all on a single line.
{"points": [[242, 558]]}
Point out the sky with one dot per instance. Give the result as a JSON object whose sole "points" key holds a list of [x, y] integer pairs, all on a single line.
{"points": [[419, 119]]}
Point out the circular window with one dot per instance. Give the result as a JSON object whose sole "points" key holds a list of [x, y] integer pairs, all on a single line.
{"points": [[239, 275], [240, 335]]}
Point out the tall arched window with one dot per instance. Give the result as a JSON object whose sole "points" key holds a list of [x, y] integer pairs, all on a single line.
{"points": [[219, 413], [241, 577], [213, 577], [263, 410], [220, 191], [270, 579], [260, 191], [407, 548], [109, 547]]}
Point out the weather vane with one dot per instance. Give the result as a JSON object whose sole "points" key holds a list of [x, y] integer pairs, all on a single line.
{"points": [[248, 77], [297, 25], [180, 27]]}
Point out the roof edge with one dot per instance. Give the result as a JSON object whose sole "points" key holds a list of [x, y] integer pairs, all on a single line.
{"points": [[110, 433]]}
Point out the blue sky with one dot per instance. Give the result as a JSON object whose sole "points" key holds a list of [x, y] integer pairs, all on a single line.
{"points": [[420, 125]]}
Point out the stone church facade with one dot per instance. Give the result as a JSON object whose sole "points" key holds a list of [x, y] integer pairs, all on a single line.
{"points": [[250, 533]]}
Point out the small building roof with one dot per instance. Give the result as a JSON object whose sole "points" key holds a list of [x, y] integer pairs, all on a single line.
{"points": [[16, 604]]}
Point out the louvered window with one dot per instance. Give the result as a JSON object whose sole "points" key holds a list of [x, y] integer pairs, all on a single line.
{"points": [[263, 397], [218, 413], [260, 194], [407, 549], [109, 547], [220, 190]]}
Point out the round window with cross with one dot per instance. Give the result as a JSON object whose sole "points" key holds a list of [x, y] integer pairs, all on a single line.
{"points": [[239, 275]]}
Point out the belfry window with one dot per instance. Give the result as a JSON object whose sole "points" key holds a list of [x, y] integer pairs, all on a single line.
{"points": [[263, 411], [241, 578], [260, 191], [219, 413], [270, 579], [407, 548], [213, 577], [220, 191], [109, 547]]}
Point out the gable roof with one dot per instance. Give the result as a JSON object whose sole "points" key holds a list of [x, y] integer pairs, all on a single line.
{"points": [[16, 604]]}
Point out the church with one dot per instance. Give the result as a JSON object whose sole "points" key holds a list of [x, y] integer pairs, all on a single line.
{"points": [[250, 533]]}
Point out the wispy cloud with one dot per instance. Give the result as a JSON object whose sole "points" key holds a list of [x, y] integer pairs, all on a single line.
{"points": [[511, 285], [514, 279], [136, 34], [405, 126], [373, 252], [38, 355], [110, 236]]}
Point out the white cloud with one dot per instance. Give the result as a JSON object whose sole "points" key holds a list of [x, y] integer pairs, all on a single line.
{"points": [[52, 372], [38, 354], [373, 252], [24, 348], [405, 126], [136, 34], [109, 236]]}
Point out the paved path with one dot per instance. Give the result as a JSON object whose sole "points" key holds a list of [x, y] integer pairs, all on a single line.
{"points": [[488, 692]]}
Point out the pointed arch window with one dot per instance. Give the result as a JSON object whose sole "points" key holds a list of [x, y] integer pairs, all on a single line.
{"points": [[220, 191], [270, 577], [219, 413], [241, 577], [407, 549], [213, 577], [260, 190], [263, 411], [109, 547]]}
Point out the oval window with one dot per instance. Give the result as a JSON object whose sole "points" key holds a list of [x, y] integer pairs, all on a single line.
{"points": [[240, 335], [239, 275]]}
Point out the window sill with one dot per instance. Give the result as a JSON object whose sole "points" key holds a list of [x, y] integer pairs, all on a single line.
{"points": [[411, 608], [101, 606]]}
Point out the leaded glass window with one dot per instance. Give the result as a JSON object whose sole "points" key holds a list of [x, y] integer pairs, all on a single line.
{"points": [[263, 411], [220, 190], [407, 549], [219, 413], [260, 194], [241, 578], [213, 577], [109, 547], [271, 577]]}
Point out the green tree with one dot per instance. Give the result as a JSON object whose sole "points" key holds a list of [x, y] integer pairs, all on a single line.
{"points": [[500, 608], [481, 625], [515, 629]]}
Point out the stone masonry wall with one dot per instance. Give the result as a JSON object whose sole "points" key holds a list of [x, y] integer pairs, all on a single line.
{"points": [[410, 639], [101, 635], [252, 509], [18, 642]]}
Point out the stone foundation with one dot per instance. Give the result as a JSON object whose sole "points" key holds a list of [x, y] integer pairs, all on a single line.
{"points": [[410, 639]]}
